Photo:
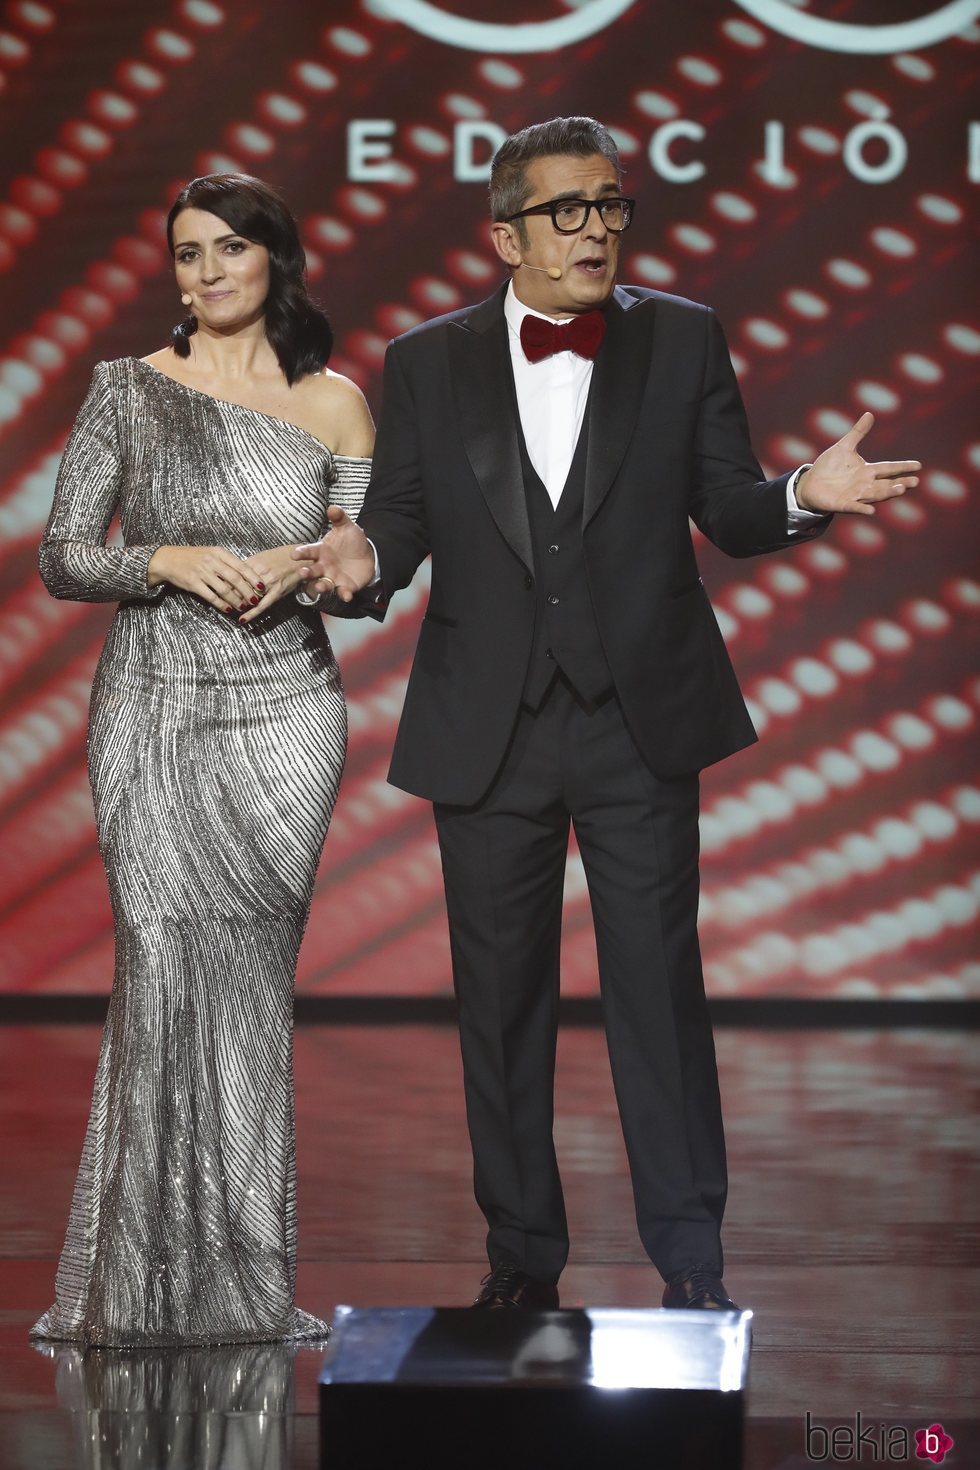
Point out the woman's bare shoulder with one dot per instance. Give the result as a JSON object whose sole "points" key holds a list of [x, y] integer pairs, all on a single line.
{"points": [[341, 412]]}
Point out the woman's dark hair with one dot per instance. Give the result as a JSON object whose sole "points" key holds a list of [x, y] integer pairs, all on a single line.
{"points": [[294, 324]]}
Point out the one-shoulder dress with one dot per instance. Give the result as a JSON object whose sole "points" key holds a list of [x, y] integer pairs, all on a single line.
{"points": [[215, 752]]}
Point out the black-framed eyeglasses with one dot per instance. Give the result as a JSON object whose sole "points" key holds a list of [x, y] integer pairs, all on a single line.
{"points": [[570, 215]]}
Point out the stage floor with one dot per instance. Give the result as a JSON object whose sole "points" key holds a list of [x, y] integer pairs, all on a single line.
{"points": [[852, 1227]]}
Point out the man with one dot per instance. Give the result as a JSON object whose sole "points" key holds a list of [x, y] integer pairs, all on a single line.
{"points": [[547, 448]]}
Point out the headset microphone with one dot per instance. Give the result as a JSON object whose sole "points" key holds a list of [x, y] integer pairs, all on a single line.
{"points": [[548, 270]]}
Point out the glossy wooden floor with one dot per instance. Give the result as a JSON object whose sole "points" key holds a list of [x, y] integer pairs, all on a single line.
{"points": [[852, 1228]]}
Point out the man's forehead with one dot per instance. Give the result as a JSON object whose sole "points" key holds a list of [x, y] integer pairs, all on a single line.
{"points": [[562, 173]]}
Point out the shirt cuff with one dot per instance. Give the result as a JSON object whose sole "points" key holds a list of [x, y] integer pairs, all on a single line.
{"points": [[796, 516]]}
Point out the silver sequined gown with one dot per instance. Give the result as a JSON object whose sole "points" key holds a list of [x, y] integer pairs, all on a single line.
{"points": [[215, 753]]}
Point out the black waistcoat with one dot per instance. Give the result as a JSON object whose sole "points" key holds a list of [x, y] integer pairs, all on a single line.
{"points": [[565, 631]]}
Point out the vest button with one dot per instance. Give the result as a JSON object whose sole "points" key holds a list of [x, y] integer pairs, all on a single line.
{"points": [[548, 653], [554, 600], [552, 550], [528, 583]]}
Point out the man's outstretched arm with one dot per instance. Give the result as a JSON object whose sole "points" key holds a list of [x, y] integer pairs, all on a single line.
{"points": [[345, 561]]}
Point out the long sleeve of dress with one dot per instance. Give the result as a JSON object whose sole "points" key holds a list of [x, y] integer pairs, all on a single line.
{"points": [[75, 561]]}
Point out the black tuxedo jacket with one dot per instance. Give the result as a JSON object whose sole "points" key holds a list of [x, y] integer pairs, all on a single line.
{"points": [[668, 440]]}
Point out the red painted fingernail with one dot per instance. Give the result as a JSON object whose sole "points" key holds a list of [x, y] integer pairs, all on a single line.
{"points": [[254, 601], [230, 610], [261, 586], [244, 607]]}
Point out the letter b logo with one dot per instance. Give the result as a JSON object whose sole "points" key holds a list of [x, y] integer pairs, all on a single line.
{"points": [[816, 1449]]}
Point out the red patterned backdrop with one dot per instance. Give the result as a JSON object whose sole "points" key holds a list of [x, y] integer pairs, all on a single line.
{"points": [[817, 194]]}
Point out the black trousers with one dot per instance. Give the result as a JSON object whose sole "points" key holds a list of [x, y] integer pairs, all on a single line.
{"points": [[504, 863]]}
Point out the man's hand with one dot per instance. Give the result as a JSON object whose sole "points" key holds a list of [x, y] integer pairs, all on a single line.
{"points": [[842, 482], [343, 562]]}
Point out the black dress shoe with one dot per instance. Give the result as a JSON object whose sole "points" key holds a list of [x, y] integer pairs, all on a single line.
{"points": [[698, 1286], [509, 1286]]}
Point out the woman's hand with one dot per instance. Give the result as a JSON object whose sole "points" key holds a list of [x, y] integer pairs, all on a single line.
{"points": [[210, 572], [276, 574]]}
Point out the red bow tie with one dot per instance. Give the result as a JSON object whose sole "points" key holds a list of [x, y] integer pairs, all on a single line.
{"points": [[583, 334]]}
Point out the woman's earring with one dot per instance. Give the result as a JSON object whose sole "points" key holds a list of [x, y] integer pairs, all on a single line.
{"points": [[186, 300]]}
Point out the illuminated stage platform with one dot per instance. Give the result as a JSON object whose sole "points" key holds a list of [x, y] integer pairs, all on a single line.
{"points": [[570, 1388]]}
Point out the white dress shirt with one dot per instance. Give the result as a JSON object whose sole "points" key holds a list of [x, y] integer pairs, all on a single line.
{"points": [[551, 399]]}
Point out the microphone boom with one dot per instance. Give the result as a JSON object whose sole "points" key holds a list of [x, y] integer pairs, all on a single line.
{"points": [[547, 270]]}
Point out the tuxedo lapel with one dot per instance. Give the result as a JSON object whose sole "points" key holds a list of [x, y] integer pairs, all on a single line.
{"points": [[618, 384], [480, 365]]}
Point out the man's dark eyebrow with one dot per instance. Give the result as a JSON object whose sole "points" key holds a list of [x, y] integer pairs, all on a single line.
{"points": [[576, 194]]}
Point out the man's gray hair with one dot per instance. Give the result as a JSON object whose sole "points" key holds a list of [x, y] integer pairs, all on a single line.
{"points": [[578, 137]]}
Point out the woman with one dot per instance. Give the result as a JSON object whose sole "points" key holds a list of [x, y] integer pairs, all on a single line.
{"points": [[216, 742]]}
